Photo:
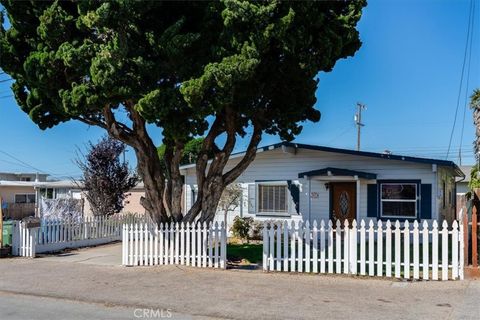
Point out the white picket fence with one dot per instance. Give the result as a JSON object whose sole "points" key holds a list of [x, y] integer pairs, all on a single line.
{"points": [[197, 245], [55, 235], [400, 250]]}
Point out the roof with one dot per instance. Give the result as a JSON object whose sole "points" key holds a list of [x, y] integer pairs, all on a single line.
{"points": [[466, 171], [25, 173], [42, 184], [337, 172], [445, 163]]}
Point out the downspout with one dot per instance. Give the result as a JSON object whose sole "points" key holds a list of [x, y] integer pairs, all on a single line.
{"points": [[357, 183]]}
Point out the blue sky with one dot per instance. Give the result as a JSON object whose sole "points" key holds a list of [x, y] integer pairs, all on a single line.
{"points": [[407, 73]]}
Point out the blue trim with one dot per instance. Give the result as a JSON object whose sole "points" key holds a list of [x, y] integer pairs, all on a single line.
{"points": [[295, 194], [372, 196], [426, 201], [379, 192], [337, 172]]}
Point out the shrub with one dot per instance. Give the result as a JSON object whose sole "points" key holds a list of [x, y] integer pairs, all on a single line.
{"points": [[256, 231], [241, 227]]}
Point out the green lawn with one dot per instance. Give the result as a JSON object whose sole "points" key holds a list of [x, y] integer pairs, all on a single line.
{"points": [[248, 252]]}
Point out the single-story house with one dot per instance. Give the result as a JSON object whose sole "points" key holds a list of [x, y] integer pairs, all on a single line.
{"points": [[21, 192], [308, 182], [131, 203]]}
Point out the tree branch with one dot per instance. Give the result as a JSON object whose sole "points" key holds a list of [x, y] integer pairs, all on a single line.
{"points": [[249, 156]]}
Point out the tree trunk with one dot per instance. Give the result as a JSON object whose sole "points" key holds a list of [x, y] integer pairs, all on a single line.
{"points": [[150, 170], [212, 192], [174, 187], [212, 185]]}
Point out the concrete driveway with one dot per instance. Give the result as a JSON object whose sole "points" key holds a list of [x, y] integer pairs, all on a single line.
{"points": [[95, 285], [104, 255]]}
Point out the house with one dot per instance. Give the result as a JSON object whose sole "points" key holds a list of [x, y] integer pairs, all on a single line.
{"points": [[21, 192], [131, 203], [462, 184], [308, 182]]}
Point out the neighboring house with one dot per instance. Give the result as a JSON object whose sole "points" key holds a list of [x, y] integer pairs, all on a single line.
{"points": [[20, 192], [306, 182], [131, 204], [462, 184]]}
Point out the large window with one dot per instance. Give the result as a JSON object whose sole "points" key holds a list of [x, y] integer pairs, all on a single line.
{"points": [[25, 198], [398, 200], [47, 193], [272, 198]]}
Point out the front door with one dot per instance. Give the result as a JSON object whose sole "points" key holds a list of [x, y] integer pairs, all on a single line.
{"points": [[343, 196]]}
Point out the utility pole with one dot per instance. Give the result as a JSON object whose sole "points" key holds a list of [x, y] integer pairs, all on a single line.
{"points": [[358, 121]]}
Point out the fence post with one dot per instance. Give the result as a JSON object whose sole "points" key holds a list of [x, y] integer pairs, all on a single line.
{"points": [[223, 261], [466, 252], [461, 248], [33, 241], [16, 238], [124, 245], [265, 246], [474, 238]]}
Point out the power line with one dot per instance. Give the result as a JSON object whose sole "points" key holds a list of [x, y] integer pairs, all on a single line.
{"points": [[21, 161], [27, 165], [462, 73], [468, 80], [5, 80], [8, 96]]}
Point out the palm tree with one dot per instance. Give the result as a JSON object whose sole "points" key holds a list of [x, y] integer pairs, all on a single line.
{"points": [[475, 105], [474, 174]]}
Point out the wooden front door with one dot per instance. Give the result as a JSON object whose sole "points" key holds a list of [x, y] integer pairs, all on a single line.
{"points": [[343, 197]]}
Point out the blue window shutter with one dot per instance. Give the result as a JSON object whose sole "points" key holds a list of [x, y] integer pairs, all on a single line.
{"points": [[252, 207], [372, 201], [426, 201], [295, 194]]}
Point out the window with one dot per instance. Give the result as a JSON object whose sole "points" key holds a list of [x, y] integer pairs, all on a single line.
{"points": [[444, 194], [272, 198], [62, 193], [194, 195], [25, 198], [25, 179], [47, 193], [398, 200]]}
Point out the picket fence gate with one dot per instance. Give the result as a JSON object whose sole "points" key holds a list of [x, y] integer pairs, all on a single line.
{"points": [[56, 235], [399, 250], [197, 245]]}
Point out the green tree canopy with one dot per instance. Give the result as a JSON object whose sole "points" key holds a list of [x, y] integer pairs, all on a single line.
{"points": [[190, 152], [226, 69]]}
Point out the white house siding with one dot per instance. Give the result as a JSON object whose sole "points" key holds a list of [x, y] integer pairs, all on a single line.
{"points": [[462, 188], [278, 165]]}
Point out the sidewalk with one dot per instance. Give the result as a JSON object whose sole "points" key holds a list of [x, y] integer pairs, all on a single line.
{"points": [[240, 294]]}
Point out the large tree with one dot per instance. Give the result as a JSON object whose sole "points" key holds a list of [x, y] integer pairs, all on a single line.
{"points": [[222, 70]]}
